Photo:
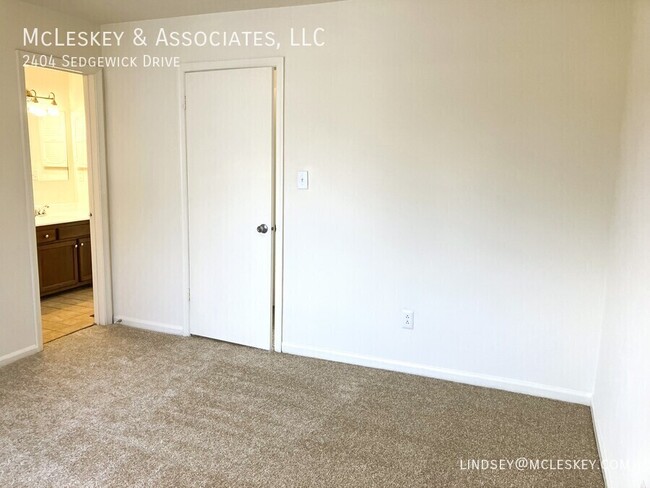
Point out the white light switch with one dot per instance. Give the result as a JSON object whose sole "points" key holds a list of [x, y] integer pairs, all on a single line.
{"points": [[302, 180]]}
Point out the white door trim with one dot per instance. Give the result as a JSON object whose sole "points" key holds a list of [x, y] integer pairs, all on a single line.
{"points": [[98, 178], [98, 191], [278, 64]]}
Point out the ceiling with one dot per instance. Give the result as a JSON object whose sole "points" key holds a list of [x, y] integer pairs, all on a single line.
{"points": [[112, 11]]}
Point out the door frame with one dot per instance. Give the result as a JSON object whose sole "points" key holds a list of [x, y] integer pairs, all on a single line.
{"points": [[97, 188], [278, 182]]}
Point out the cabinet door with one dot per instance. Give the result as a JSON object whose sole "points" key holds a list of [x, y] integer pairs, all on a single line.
{"points": [[58, 266], [85, 261]]}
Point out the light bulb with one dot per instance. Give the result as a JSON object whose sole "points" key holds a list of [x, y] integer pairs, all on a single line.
{"points": [[36, 110]]}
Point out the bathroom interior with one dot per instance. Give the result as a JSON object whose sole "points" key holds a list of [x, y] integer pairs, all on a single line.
{"points": [[56, 119]]}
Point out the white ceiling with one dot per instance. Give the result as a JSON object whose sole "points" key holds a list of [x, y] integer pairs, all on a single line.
{"points": [[110, 11]]}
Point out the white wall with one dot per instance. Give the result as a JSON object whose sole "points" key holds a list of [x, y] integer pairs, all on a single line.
{"points": [[462, 158], [622, 395], [17, 315]]}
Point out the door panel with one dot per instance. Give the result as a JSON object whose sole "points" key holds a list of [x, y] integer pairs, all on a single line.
{"points": [[85, 260], [57, 266], [229, 130]]}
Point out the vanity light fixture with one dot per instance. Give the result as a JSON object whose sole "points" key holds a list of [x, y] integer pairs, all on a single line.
{"points": [[35, 108]]}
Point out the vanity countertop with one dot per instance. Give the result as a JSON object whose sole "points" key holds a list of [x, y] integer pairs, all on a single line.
{"points": [[54, 219]]}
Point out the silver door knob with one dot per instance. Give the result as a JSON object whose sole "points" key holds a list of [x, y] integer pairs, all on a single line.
{"points": [[262, 229]]}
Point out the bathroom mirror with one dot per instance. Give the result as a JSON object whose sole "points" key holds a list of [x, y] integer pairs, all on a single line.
{"points": [[49, 147]]}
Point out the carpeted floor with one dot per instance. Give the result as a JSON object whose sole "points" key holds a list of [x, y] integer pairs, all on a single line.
{"points": [[119, 407]]}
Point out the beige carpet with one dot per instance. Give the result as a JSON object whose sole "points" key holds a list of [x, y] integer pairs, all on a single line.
{"points": [[118, 407]]}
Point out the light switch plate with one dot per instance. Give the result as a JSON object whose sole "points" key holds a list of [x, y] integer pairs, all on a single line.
{"points": [[302, 180]]}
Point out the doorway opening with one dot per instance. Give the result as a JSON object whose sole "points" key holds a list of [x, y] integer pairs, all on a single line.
{"points": [[56, 120], [65, 176]]}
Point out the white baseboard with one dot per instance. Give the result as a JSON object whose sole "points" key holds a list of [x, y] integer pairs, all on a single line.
{"points": [[149, 325], [16, 355], [599, 443], [488, 381]]}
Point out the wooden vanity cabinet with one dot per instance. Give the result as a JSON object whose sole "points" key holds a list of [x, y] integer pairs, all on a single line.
{"points": [[57, 266], [85, 261], [64, 256]]}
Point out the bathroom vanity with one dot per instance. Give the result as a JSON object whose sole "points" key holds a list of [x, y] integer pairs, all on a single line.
{"points": [[64, 256]]}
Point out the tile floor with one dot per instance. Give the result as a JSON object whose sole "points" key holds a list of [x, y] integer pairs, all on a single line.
{"points": [[66, 313]]}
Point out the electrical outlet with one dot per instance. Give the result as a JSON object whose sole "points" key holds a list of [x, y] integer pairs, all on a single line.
{"points": [[407, 319]]}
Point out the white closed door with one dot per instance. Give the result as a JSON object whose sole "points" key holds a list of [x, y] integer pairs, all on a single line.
{"points": [[229, 143]]}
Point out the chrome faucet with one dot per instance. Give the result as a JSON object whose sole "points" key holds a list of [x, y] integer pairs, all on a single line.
{"points": [[42, 210]]}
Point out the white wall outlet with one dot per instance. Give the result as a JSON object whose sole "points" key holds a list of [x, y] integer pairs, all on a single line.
{"points": [[302, 180], [407, 319]]}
